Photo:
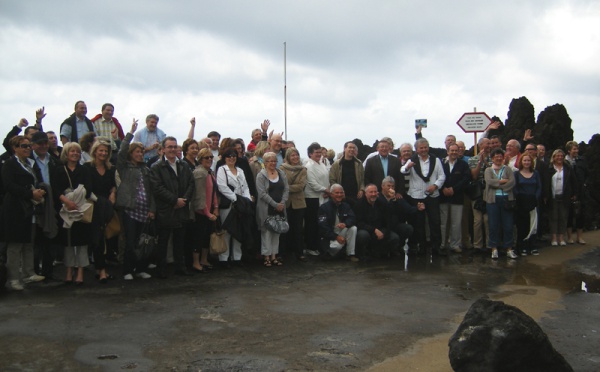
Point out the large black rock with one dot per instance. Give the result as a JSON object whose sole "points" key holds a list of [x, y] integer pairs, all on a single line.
{"points": [[553, 128], [521, 116], [494, 336]]}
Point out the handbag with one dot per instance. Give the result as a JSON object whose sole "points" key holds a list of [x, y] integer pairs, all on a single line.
{"points": [[225, 202], [218, 244], [278, 224], [88, 214], [474, 189], [114, 227], [147, 242]]}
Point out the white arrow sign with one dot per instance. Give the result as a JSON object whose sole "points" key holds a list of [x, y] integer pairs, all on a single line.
{"points": [[472, 122]]}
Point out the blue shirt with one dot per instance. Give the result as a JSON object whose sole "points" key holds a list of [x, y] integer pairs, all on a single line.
{"points": [[43, 164]]}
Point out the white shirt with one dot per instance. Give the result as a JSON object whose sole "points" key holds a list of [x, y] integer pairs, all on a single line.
{"points": [[417, 186]]}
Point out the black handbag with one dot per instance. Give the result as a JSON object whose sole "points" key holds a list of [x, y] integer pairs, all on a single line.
{"points": [[225, 202], [474, 189], [147, 242], [278, 224]]}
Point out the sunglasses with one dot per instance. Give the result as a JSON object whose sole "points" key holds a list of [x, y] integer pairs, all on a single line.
{"points": [[208, 157], [25, 146]]}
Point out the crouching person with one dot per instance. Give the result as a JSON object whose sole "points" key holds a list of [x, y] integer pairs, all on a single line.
{"points": [[337, 224], [374, 236]]}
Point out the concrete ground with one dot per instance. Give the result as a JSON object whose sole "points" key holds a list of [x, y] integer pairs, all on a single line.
{"points": [[315, 316]]}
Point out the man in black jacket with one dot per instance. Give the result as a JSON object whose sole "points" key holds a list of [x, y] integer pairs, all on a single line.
{"points": [[337, 224], [76, 125], [400, 211], [173, 188], [373, 221]]}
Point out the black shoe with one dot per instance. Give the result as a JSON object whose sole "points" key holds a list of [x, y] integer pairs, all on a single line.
{"points": [[199, 271], [183, 272]]}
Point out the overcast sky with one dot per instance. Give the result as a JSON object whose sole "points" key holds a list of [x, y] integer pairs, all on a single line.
{"points": [[355, 69]]}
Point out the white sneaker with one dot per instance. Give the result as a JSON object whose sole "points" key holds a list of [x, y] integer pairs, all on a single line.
{"points": [[128, 277], [563, 243], [34, 278], [335, 244], [512, 254], [143, 275], [16, 285], [312, 253], [152, 266], [494, 254]]}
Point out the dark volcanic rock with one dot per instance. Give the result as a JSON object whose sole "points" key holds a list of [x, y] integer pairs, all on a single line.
{"points": [[494, 336], [521, 116], [553, 128]]}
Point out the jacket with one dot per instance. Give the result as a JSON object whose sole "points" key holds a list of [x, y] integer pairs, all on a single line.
{"points": [[167, 188], [370, 217], [458, 179], [335, 174], [569, 183], [129, 173], [374, 172], [327, 214], [70, 121], [264, 198], [492, 183], [296, 176]]}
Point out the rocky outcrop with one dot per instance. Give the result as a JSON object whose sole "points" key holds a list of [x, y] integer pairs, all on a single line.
{"points": [[494, 336], [520, 117], [553, 127]]}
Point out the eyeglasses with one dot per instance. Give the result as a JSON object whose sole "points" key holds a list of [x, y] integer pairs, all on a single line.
{"points": [[25, 146], [208, 157]]}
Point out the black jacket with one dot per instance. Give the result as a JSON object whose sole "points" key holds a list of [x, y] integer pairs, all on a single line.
{"points": [[399, 210], [458, 180], [370, 217], [70, 121], [327, 214], [569, 183], [167, 187], [374, 172]]}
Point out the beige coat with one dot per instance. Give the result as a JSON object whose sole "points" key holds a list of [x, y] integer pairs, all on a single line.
{"points": [[296, 176]]}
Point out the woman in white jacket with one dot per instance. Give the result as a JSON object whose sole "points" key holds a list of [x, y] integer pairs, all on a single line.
{"points": [[316, 193]]}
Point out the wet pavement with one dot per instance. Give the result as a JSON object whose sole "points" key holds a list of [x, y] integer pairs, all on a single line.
{"points": [[320, 315]]}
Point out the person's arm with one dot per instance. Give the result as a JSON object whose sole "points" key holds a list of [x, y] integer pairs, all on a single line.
{"points": [[13, 132], [192, 127], [40, 114]]}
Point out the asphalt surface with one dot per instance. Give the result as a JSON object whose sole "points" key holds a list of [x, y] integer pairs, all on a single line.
{"points": [[314, 316]]}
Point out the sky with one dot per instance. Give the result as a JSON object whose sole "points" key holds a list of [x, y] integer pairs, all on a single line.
{"points": [[353, 69]]}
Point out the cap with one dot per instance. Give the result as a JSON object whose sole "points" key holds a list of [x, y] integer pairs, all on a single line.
{"points": [[38, 137]]}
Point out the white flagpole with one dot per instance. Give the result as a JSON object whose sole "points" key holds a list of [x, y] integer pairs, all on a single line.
{"points": [[285, 91]]}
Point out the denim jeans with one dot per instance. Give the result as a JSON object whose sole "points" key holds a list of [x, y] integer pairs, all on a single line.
{"points": [[500, 218]]}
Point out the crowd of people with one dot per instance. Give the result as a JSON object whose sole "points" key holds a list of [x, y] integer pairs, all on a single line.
{"points": [[61, 203]]}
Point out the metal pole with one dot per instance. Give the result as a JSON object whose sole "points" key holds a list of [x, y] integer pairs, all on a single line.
{"points": [[285, 133]]}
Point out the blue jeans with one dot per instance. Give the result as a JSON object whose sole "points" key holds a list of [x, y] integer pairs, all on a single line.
{"points": [[500, 219]]}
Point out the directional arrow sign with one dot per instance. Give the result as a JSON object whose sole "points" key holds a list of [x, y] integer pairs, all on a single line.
{"points": [[472, 122]]}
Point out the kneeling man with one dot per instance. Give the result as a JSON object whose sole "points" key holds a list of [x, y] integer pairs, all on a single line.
{"points": [[337, 224]]}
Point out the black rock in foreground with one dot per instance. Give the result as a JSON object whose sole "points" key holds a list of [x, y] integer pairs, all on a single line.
{"points": [[494, 336]]}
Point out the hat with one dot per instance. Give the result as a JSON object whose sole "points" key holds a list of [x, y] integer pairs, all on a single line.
{"points": [[38, 137]]}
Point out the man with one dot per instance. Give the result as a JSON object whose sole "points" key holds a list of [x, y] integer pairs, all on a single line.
{"points": [[440, 153], [375, 153], [374, 236], [541, 154], [46, 165], [349, 172], [259, 135], [399, 210], [458, 176], [461, 151], [478, 164], [382, 165], [215, 137], [275, 143], [151, 137], [337, 225], [495, 143], [513, 153], [53, 148], [106, 125], [406, 152], [76, 125], [173, 187], [426, 178]]}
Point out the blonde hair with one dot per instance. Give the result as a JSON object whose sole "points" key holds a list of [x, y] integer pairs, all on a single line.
{"points": [[66, 148], [261, 148], [101, 141]]}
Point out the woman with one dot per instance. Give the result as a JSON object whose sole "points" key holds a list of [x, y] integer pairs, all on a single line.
{"points": [[577, 209], [86, 141], [296, 205], [528, 189], [135, 201], [20, 180], [190, 150], [559, 193], [500, 181], [102, 174], [256, 163], [315, 193], [76, 238], [232, 185], [206, 207], [273, 192]]}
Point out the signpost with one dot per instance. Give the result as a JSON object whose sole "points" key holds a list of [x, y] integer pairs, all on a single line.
{"points": [[474, 122]]}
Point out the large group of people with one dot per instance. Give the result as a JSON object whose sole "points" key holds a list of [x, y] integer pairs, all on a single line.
{"points": [[59, 201]]}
